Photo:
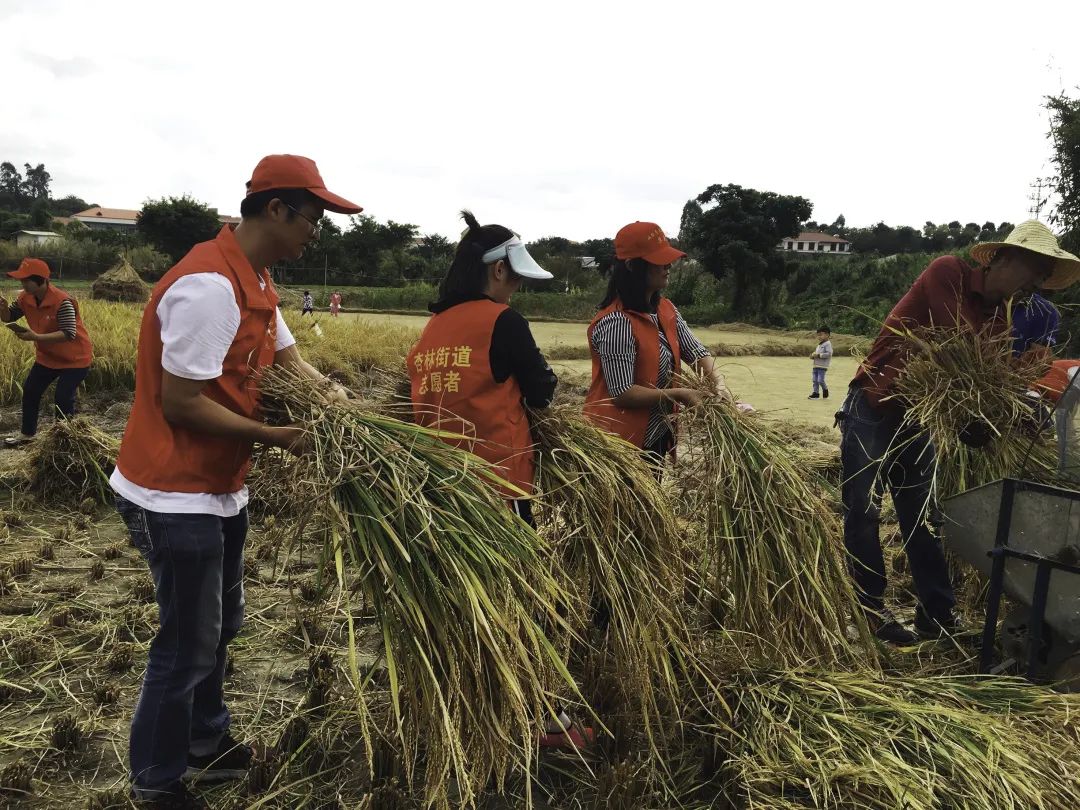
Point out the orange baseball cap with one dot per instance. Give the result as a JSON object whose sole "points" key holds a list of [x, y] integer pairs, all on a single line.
{"points": [[293, 171], [31, 267], [645, 240]]}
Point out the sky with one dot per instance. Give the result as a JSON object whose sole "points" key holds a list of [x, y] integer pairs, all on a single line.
{"points": [[553, 118]]}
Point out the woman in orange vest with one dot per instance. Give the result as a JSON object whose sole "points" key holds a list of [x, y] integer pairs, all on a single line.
{"points": [[639, 342], [60, 339], [476, 367]]}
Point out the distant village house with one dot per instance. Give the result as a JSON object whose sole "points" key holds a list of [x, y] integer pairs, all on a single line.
{"points": [[121, 219], [811, 242], [33, 238]]}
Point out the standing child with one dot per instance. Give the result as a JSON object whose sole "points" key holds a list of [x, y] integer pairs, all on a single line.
{"points": [[335, 303], [822, 356], [308, 307]]}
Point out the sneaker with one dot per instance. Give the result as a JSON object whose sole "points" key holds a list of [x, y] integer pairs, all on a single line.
{"points": [[180, 798], [574, 736], [814, 396], [886, 628], [932, 629], [231, 761], [17, 440], [825, 393]]}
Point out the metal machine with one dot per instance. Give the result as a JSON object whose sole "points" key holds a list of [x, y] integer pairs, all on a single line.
{"points": [[1025, 537]]}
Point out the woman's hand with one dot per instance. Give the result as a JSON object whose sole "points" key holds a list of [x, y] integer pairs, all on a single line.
{"points": [[687, 397], [27, 336]]}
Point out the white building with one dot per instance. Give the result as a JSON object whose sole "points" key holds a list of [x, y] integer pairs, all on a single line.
{"points": [[811, 242], [33, 238]]}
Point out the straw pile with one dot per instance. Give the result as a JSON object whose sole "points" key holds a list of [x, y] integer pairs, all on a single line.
{"points": [[775, 561], [120, 283], [621, 548], [957, 378], [810, 739], [71, 461], [459, 586]]}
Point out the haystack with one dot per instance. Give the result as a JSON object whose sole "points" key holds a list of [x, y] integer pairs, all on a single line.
{"points": [[120, 283]]}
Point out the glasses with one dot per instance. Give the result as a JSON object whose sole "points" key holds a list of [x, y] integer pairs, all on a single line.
{"points": [[316, 227]]}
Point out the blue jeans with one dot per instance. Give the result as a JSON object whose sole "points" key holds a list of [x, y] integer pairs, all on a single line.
{"points": [[198, 568], [876, 451], [818, 377], [40, 378]]}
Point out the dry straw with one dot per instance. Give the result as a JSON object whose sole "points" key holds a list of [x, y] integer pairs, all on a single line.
{"points": [[460, 589], [774, 559], [71, 461]]}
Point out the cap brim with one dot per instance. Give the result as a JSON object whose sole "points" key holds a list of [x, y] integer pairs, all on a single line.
{"points": [[665, 254], [525, 265], [21, 274], [333, 202]]}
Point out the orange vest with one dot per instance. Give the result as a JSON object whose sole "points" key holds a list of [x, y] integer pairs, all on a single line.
{"points": [[453, 389], [631, 423], [41, 318], [158, 455], [1053, 384]]}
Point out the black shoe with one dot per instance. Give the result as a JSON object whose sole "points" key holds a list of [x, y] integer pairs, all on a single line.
{"points": [[813, 396], [231, 761], [825, 393], [180, 798], [886, 628], [931, 629]]}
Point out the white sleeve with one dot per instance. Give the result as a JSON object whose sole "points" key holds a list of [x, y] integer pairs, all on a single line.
{"points": [[199, 319], [285, 338]]}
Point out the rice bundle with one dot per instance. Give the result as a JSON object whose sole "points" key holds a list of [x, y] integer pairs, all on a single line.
{"points": [[616, 534], [808, 739], [956, 378], [120, 283], [775, 563], [459, 587], [71, 461]]}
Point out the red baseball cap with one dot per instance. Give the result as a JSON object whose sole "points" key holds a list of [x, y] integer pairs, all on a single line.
{"points": [[31, 267], [293, 171], [645, 240]]}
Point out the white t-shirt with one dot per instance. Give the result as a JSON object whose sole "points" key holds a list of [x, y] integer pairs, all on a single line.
{"points": [[199, 320]]}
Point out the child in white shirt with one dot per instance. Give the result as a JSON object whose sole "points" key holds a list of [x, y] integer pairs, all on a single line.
{"points": [[822, 356]]}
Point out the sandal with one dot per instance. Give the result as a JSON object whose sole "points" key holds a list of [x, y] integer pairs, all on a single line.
{"points": [[571, 737], [17, 440]]}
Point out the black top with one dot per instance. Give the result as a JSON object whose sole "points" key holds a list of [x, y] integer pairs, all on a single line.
{"points": [[514, 353]]}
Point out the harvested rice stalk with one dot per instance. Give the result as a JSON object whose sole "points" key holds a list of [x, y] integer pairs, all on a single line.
{"points": [[458, 585], [616, 534], [957, 378], [71, 461], [775, 560], [806, 739]]}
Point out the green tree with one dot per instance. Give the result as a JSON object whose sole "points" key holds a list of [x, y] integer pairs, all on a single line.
{"points": [[1065, 141], [11, 187], [36, 182], [69, 205], [175, 224], [734, 232]]}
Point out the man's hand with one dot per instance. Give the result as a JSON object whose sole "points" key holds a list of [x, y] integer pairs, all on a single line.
{"points": [[291, 438], [337, 394]]}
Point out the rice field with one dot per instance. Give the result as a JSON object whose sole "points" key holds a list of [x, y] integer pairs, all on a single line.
{"points": [[691, 708]]}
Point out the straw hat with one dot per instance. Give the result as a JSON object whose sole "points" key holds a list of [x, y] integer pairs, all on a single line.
{"points": [[1037, 238]]}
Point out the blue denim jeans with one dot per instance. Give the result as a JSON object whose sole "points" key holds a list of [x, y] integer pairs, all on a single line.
{"points": [[875, 452], [818, 379], [198, 569]]}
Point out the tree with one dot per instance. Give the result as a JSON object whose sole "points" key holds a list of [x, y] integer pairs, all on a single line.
{"points": [[1065, 140], [36, 183], [734, 232], [69, 205], [175, 224], [11, 186]]}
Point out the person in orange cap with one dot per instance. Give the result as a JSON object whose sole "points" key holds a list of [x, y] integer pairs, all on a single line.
{"points": [[211, 325], [639, 342], [62, 345]]}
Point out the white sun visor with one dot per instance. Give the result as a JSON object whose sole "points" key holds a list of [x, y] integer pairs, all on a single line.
{"points": [[513, 250]]}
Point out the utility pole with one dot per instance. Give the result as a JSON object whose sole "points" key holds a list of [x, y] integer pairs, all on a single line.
{"points": [[1038, 198]]}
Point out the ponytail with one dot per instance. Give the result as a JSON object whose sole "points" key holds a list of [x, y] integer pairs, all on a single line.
{"points": [[467, 277]]}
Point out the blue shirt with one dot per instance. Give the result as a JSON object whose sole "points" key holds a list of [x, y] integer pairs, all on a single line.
{"points": [[1034, 322]]}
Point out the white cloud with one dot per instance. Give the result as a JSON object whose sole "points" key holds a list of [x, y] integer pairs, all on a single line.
{"points": [[555, 118]]}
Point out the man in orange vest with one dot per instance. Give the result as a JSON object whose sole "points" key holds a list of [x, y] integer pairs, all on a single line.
{"points": [[211, 325], [62, 345]]}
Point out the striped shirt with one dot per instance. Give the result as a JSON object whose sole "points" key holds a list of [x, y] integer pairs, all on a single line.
{"points": [[613, 341], [65, 317]]}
